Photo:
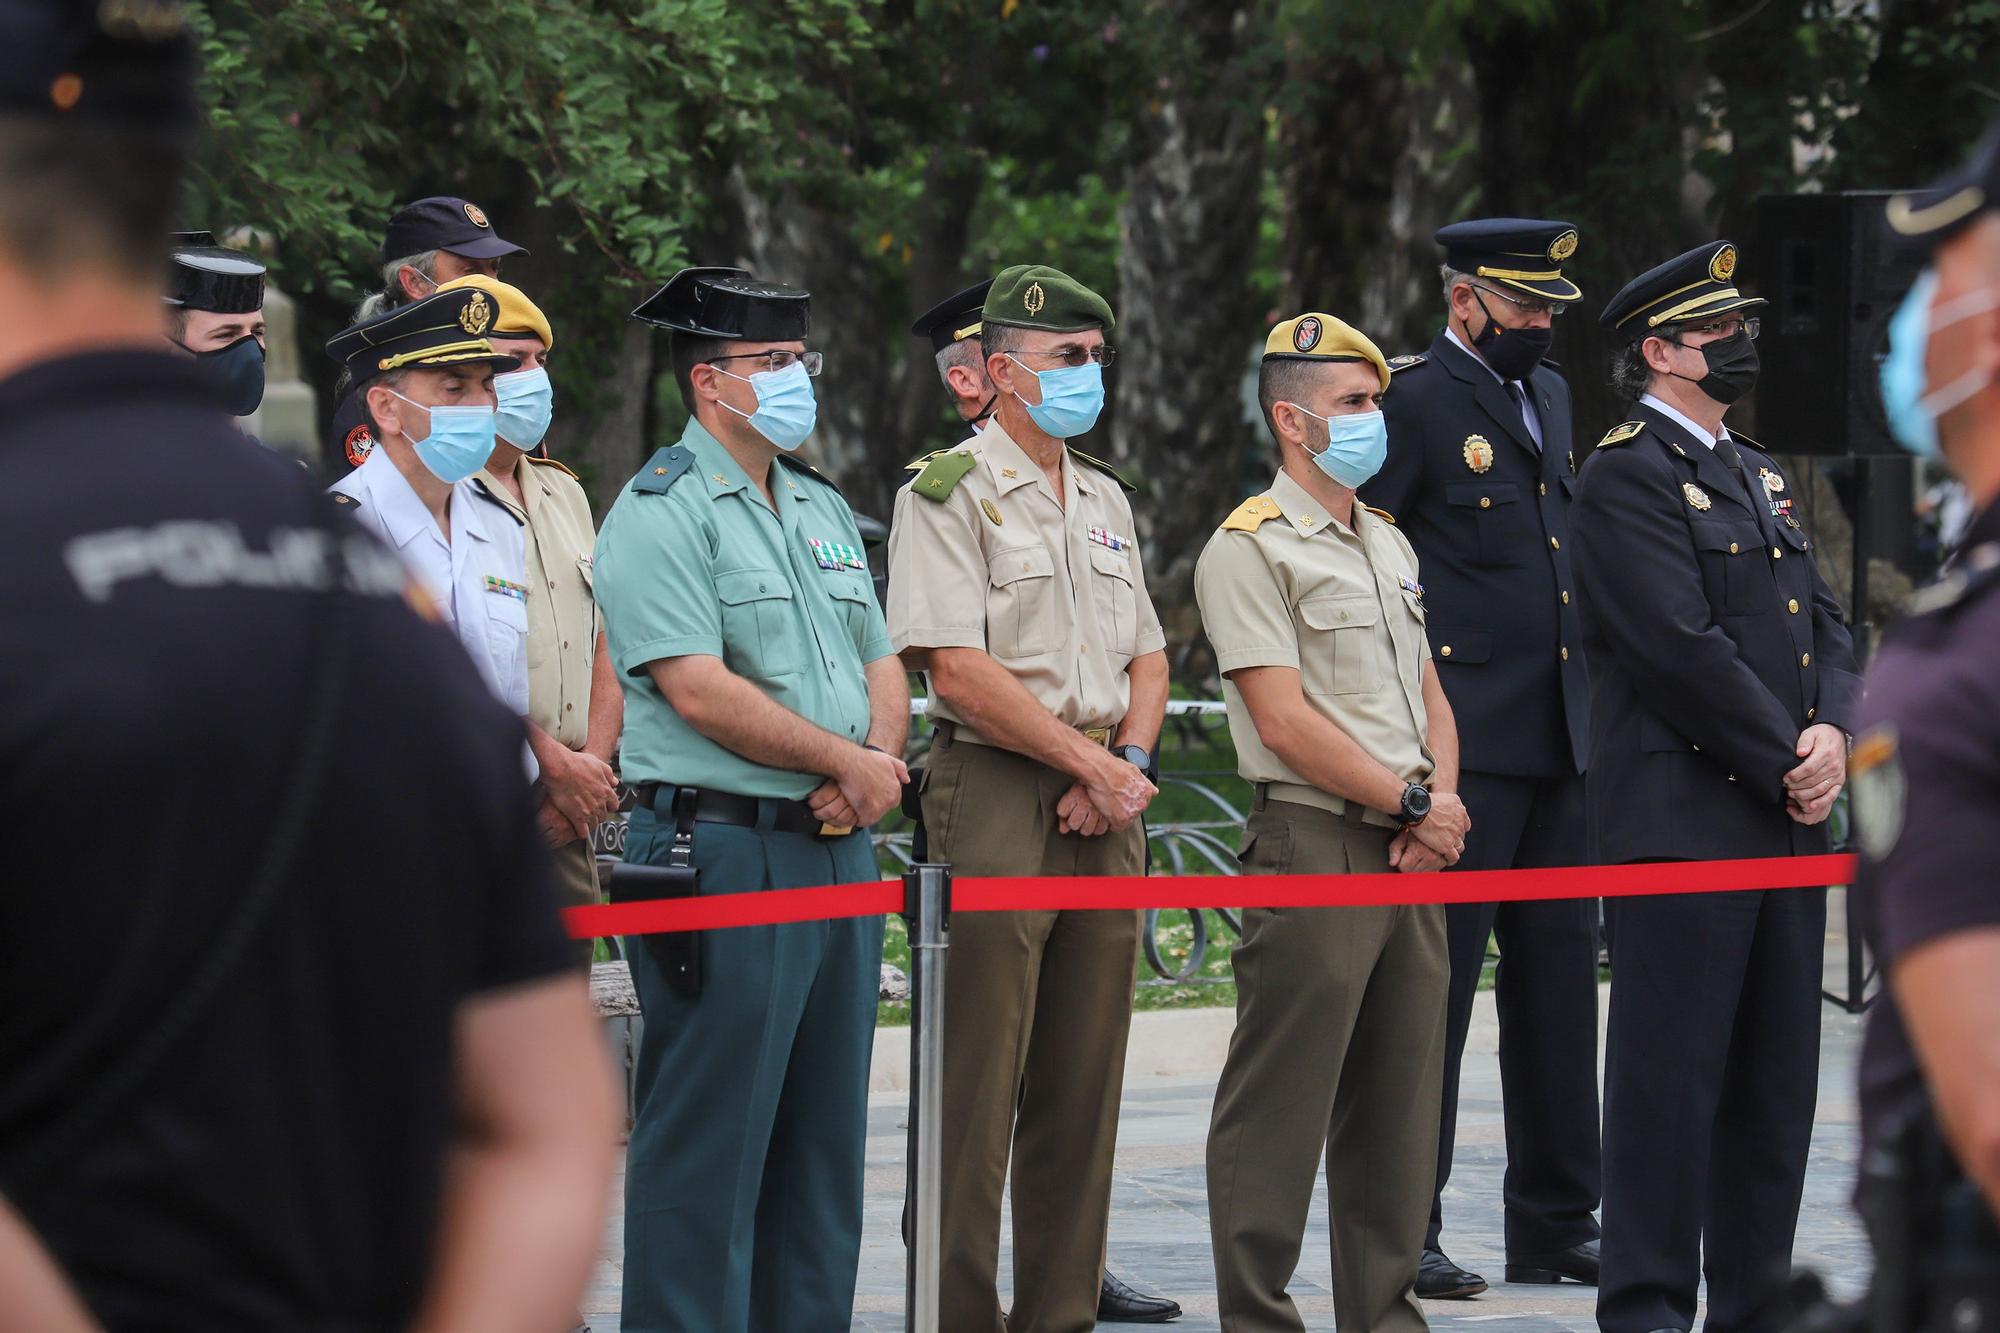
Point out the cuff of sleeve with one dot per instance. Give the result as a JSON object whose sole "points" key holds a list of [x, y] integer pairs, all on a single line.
{"points": [[937, 637], [875, 650], [1238, 658], [1150, 643], [632, 660]]}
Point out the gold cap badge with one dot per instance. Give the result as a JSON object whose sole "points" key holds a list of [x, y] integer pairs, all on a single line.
{"points": [[1563, 246], [1478, 453], [1034, 298], [1723, 266], [1697, 497], [476, 216], [477, 316]]}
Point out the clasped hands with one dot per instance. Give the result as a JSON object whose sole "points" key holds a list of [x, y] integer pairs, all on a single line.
{"points": [[1811, 787], [1437, 842]]}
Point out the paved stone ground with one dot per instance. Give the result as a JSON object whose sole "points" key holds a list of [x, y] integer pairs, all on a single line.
{"points": [[1159, 1227]]}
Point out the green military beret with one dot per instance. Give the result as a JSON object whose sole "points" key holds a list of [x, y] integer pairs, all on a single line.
{"points": [[1034, 296]]}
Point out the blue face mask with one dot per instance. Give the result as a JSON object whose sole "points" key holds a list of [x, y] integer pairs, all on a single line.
{"points": [[459, 443], [1072, 398], [1913, 414], [527, 402], [786, 405], [1355, 446]]}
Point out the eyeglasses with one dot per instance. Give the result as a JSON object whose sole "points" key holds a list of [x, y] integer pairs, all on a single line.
{"points": [[1549, 308], [814, 361], [1102, 354], [1726, 328]]}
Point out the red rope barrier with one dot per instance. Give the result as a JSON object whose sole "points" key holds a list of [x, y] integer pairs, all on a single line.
{"points": [[1016, 894]]}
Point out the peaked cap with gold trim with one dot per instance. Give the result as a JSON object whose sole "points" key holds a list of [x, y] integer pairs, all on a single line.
{"points": [[443, 329], [1695, 286], [1035, 296], [957, 316], [1526, 254]]}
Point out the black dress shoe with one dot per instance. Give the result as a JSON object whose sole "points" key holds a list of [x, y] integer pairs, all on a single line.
{"points": [[1120, 1304], [1578, 1263], [1439, 1279]]}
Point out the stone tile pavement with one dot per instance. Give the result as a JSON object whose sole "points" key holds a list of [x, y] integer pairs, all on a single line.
{"points": [[1159, 1229]]}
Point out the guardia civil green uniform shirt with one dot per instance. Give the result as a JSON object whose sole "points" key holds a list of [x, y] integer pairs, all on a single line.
{"points": [[784, 598]]}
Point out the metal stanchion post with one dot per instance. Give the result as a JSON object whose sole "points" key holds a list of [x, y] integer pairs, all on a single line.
{"points": [[927, 909]]}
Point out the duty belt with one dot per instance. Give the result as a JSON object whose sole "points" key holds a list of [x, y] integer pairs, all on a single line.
{"points": [[723, 807], [952, 730]]}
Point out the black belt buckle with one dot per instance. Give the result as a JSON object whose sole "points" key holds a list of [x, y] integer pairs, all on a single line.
{"points": [[677, 953]]}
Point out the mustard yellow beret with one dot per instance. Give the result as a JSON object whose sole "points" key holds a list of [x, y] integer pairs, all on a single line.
{"points": [[1317, 337], [519, 317]]}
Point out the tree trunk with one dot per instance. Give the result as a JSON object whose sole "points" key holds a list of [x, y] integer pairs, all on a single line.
{"points": [[1189, 315]]}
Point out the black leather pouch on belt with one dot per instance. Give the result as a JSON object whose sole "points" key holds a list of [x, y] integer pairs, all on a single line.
{"points": [[677, 953], [913, 809]]}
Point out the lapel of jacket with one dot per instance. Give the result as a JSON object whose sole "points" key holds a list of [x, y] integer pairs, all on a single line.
{"points": [[1711, 472], [1487, 391]]}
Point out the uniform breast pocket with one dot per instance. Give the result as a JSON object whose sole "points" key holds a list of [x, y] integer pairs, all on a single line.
{"points": [[757, 637], [852, 596], [1344, 653], [1117, 601], [1498, 519], [1735, 567], [507, 638], [1021, 603]]}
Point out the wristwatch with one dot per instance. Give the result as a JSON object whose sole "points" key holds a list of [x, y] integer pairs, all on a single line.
{"points": [[1416, 806], [1136, 756]]}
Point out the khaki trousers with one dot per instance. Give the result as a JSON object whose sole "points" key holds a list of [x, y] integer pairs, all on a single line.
{"points": [[575, 866], [1037, 1009], [1339, 1045]]}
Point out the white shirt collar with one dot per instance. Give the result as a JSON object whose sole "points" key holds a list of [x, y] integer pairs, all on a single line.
{"points": [[1667, 409], [1452, 334]]}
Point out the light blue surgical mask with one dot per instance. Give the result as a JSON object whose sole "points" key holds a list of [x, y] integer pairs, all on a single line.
{"points": [[1356, 444], [786, 404], [459, 443], [1072, 398], [1912, 413], [527, 403]]}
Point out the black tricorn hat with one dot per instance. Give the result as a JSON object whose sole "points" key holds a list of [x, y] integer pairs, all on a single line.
{"points": [[728, 303], [202, 275]]}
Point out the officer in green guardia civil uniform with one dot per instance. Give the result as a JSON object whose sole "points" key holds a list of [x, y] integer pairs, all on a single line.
{"points": [[765, 719]]}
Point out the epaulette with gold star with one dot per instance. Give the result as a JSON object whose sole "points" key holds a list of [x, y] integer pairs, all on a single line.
{"points": [[663, 469], [1252, 514], [550, 462], [799, 465], [1620, 433], [941, 473], [1382, 514], [1397, 363], [1104, 467]]}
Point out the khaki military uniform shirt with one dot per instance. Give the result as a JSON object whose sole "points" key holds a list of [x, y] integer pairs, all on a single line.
{"points": [[1282, 584], [563, 620], [1055, 592]]}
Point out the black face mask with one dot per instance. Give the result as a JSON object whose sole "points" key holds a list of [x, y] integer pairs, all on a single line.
{"points": [[985, 411], [1513, 353], [1732, 368], [237, 373]]}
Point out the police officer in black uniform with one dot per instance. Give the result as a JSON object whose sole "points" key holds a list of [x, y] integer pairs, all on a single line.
{"points": [[1926, 798], [1722, 675], [276, 920], [1480, 478]]}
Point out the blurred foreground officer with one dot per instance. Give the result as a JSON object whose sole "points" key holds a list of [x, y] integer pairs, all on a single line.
{"points": [[953, 325], [1722, 676], [766, 719], [333, 1071], [1479, 478], [215, 312], [1015, 583], [429, 243], [574, 704], [425, 374], [1926, 782], [1312, 602]]}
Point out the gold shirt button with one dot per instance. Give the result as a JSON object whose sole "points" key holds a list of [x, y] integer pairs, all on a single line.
{"points": [[1542, 487], [1445, 651], [1732, 548], [1810, 712], [1485, 502], [1555, 544], [1565, 654], [1805, 659], [1565, 597], [1793, 606], [1776, 554]]}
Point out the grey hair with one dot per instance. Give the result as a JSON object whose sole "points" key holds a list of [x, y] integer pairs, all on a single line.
{"points": [[391, 295], [1453, 278], [1630, 375], [964, 353], [996, 338]]}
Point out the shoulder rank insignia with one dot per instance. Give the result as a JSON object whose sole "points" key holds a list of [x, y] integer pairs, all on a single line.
{"points": [[341, 498], [1397, 363], [550, 462], [1252, 514], [1620, 433], [917, 464], [485, 493], [1382, 514], [1104, 467], [1696, 496], [942, 473], [663, 469], [806, 469]]}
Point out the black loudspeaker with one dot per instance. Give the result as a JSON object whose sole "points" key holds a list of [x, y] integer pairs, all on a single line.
{"points": [[1824, 263]]}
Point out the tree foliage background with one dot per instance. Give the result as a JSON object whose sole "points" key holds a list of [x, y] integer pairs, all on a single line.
{"points": [[1211, 165]]}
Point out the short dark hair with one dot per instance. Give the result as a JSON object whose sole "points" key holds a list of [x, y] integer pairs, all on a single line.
{"points": [[389, 379], [87, 196], [177, 323], [687, 352], [997, 338], [1285, 379], [1630, 375]]}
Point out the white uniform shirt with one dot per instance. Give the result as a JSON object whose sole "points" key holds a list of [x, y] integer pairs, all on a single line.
{"points": [[476, 577]]}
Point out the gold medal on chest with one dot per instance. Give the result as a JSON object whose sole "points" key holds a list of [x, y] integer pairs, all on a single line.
{"points": [[1697, 497], [1772, 481], [1478, 453]]}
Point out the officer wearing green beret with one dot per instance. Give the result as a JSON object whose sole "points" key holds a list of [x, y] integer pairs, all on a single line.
{"points": [[764, 715], [1015, 585]]}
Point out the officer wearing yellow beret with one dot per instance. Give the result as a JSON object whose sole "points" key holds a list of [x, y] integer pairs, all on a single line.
{"points": [[1316, 613], [1015, 584]]}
